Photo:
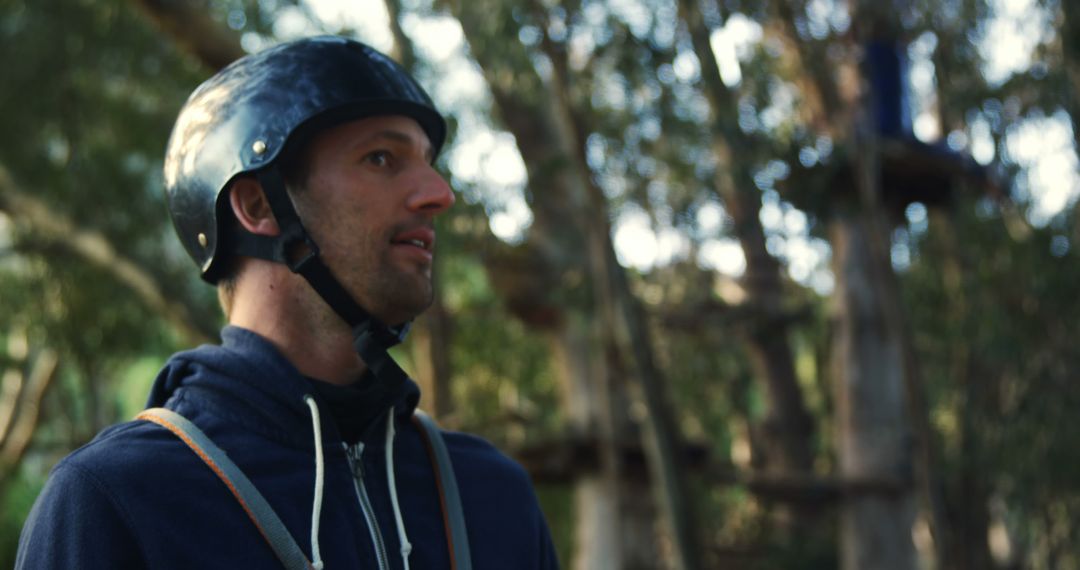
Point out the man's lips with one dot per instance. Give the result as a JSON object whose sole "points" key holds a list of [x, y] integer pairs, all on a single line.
{"points": [[423, 238]]}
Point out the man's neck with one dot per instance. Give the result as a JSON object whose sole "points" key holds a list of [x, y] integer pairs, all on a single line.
{"points": [[300, 325]]}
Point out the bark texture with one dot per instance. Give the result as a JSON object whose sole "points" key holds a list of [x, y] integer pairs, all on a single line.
{"points": [[873, 440]]}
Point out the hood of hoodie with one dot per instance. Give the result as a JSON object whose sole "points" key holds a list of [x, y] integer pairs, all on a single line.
{"points": [[246, 380]]}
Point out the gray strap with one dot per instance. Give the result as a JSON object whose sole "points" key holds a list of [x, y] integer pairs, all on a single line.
{"points": [[453, 513], [256, 507]]}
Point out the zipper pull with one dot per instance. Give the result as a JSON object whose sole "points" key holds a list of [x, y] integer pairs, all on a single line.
{"points": [[355, 454]]}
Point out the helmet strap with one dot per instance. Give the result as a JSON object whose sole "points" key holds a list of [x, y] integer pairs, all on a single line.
{"points": [[295, 248]]}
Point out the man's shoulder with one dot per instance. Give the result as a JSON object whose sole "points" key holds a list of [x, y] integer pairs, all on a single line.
{"points": [[124, 497], [126, 460], [99, 471], [480, 465], [478, 451], [122, 447], [499, 501], [95, 484]]}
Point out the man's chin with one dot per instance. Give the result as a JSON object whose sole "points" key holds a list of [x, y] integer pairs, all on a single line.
{"points": [[403, 310]]}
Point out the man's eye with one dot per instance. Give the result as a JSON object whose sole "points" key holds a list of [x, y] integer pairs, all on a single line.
{"points": [[378, 158]]}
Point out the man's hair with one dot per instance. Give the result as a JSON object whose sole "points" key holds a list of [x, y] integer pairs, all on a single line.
{"points": [[295, 168]]}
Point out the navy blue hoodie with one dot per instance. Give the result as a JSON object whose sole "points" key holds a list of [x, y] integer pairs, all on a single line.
{"points": [[137, 497]]}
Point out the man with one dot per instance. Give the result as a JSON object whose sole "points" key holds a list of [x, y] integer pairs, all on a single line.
{"points": [[300, 181]]}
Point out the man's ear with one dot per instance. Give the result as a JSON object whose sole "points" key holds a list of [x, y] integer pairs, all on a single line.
{"points": [[250, 207]]}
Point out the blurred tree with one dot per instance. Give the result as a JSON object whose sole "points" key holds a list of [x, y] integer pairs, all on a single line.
{"points": [[787, 433], [612, 512]]}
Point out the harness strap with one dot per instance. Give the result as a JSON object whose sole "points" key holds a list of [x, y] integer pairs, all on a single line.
{"points": [[267, 521], [453, 513], [253, 503]]}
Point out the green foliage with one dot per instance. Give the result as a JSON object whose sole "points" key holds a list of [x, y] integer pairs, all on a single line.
{"points": [[88, 103], [502, 369], [557, 503], [96, 92], [995, 329]]}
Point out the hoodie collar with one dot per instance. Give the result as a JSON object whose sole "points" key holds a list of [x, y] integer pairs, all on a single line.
{"points": [[248, 381], [355, 408]]}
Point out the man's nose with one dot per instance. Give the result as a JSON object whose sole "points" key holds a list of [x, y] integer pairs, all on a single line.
{"points": [[432, 195]]}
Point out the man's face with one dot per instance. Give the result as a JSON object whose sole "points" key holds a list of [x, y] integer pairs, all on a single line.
{"points": [[369, 202]]}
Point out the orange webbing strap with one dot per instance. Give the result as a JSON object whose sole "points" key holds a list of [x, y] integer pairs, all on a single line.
{"points": [[253, 503], [449, 497]]}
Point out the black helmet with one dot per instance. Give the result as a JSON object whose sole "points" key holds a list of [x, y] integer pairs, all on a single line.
{"points": [[240, 119]]}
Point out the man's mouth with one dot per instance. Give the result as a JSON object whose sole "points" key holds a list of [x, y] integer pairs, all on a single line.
{"points": [[423, 238]]}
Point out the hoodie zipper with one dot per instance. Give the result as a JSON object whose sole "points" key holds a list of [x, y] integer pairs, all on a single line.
{"points": [[354, 453]]}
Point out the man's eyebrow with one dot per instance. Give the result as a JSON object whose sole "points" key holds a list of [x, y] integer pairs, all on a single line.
{"points": [[403, 138]]}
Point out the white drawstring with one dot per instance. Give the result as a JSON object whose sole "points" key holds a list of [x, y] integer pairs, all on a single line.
{"points": [[316, 509], [406, 547]]}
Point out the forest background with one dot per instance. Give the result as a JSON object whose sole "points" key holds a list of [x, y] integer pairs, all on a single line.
{"points": [[743, 284]]}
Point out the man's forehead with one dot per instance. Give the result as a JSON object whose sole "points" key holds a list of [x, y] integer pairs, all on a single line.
{"points": [[399, 128]]}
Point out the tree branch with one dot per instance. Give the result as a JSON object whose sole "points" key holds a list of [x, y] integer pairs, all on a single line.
{"points": [[37, 383], [95, 249], [403, 50], [10, 391], [189, 23]]}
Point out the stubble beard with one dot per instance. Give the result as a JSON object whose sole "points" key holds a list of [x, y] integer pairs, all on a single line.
{"points": [[389, 292], [387, 295], [397, 297], [379, 284]]}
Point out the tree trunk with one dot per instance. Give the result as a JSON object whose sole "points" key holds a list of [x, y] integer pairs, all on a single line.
{"points": [[870, 370], [872, 437], [788, 429], [598, 495], [874, 364]]}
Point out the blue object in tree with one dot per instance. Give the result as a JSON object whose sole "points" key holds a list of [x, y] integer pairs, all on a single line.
{"points": [[887, 68]]}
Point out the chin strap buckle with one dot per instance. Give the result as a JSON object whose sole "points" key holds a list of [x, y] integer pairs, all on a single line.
{"points": [[386, 336], [297, 249]]}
